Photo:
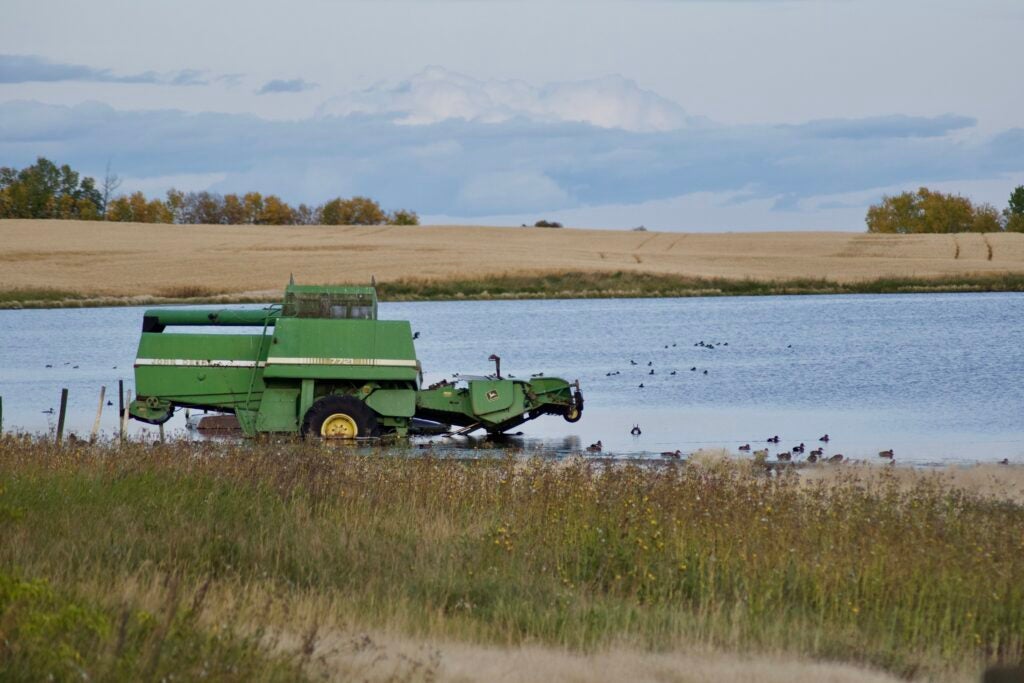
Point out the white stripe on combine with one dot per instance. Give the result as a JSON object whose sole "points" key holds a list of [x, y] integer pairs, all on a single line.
{"points": [[215, 363], [191, 363], [375, 362]]}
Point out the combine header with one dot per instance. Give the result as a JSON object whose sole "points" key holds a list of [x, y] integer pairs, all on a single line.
{"points": [[323, 366]]}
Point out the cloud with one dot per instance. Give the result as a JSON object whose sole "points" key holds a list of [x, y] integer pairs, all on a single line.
{"points": [[279, 86], [897, 126], [32, 68], [435, 95], [471, 168]]}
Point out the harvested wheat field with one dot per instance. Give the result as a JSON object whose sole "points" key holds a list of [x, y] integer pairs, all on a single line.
{"points": [[73, 259]]}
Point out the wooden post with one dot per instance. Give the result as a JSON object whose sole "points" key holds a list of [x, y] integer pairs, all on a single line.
{"points": [[120, 409], [99, 413], [61, 415], [124, 414]]}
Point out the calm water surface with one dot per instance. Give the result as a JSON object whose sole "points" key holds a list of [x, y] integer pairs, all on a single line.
{"points": [[936, 377]]}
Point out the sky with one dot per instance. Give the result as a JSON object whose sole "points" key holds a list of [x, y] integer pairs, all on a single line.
{"points": [[672, 114]]}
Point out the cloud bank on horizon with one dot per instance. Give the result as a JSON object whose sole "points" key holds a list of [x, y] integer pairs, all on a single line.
{"points": [[600, 152]]}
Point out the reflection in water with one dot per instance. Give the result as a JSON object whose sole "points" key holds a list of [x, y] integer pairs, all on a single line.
{"points": [[932, 377]]}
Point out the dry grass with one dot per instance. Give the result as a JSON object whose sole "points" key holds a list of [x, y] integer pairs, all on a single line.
{"points": [[133, 260], [605, 567]]}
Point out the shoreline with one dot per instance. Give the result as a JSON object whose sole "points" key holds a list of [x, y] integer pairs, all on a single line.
{"points": [[570, 285]]}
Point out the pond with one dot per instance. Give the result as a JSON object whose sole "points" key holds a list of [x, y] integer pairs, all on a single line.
{"points": [[935, 377]]}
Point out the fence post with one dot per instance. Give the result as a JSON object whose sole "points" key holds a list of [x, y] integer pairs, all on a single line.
{"points": [[63, 412], [99, 413], [124, 416], [120, 409]]}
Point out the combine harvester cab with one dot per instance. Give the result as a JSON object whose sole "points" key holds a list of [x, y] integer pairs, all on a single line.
{"points": [[323, 366]]}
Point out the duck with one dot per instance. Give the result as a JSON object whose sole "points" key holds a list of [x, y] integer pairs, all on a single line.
{"points": [[48, 411], [693, 369], [595, 447], [813, 457], [773, 439], [886, 454], [817, 453], [672, 373], [650, 363], [784, 456], [836, 459], [799, 449], [671, 454], [632, 362], [1004, 461], [651, 372], [635, 431], [745, 447], [761, 454], [641, 385], [824, 439]]}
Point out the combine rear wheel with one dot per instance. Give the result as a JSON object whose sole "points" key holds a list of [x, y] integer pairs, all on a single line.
{"points": [[339, 417]]}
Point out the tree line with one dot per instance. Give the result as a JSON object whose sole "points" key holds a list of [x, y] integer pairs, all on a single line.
{"points": [[927, 211], [45, 190]]}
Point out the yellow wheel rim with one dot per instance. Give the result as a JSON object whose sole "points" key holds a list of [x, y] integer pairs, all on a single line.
{"points": [[573, 413], [339, 426]]}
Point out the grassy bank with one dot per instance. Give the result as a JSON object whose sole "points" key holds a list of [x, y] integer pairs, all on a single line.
{"points": [[573, 285], [625, 284], [291, 539]]}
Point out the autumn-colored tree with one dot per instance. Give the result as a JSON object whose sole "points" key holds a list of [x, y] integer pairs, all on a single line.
{"points": [[354, 211], [45, 190], [927, 211], [253, 203], [136, 208], [986, 219], [234, 210], [276, 212]]}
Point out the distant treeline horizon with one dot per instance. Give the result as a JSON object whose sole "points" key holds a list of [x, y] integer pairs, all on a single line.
{"points": [[45, 190], [928, 211]]}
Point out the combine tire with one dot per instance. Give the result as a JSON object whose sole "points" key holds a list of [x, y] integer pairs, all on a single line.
{"points": [[575, 411], [339, 417]]}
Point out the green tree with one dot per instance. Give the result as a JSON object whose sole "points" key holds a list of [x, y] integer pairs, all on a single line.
{"points": [[403, 217], [44, 190], [1014, 212]]}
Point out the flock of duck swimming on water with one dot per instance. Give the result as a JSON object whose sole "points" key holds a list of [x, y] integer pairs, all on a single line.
{"points": [[815, 455], [650, 364]]}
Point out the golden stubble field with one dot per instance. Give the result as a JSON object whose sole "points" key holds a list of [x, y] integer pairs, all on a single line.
{"points": [[130, 259]]}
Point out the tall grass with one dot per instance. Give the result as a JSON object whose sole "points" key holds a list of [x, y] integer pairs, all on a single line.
{"points": [[920, 579], [564, 285], [637, 284]]}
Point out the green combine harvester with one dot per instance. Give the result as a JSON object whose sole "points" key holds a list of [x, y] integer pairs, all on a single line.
{"points": [[323, 366]]}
